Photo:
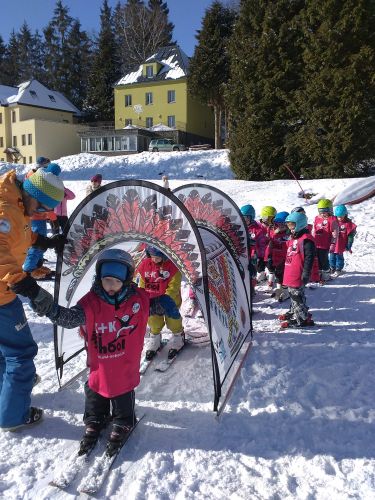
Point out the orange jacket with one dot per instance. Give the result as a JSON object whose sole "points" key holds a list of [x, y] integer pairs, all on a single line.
{"points": [[15, 235]]}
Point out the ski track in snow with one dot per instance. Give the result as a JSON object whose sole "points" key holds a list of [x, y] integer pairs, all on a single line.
{"points": [[300, 421]]}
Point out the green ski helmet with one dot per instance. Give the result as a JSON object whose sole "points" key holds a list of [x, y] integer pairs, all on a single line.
{"points": [[324, 205], [267, 211]]}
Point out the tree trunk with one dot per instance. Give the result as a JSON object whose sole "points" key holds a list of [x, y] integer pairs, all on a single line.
{"points": [[217, 111]]}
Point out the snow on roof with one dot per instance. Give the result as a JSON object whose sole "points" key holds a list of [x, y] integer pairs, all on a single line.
{"points": [[35, 94], [174, 62], [160, 127]]}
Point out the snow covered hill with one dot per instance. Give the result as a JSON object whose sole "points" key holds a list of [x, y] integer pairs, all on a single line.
{"points": [[301, 420]]}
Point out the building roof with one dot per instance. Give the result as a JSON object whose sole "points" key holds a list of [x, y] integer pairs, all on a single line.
{"points": [[174, 65], [33, 93]]}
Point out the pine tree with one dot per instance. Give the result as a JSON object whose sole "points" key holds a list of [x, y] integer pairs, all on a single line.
{"points": [[26, 46], [158, 13], [266, 71], [99, 104], [79, 47], [209, 66], [337, 102], [12, 60], [4, 71]]}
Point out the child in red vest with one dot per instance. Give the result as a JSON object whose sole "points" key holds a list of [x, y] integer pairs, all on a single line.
{"points": [[162, 281], [298, 265], [267, 215], [275, 254], [325, 232], [344, 242], [113, 318]]}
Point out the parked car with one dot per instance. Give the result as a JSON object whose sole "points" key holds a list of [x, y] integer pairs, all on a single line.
{"points": [[165, 145]]}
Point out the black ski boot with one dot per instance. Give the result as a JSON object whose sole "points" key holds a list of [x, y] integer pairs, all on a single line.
{"points": [[117, 438], [89, 438]]}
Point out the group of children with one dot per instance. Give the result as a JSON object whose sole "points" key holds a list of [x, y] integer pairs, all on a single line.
{"points": [[292, 252]]}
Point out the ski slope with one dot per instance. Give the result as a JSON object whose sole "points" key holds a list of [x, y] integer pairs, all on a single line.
{"points": [[301, 420]]}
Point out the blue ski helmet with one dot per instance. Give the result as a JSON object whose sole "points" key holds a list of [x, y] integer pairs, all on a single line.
{"points": [[280, 217], [248, 211], [299, 219], [340, 211], [154, 252]]}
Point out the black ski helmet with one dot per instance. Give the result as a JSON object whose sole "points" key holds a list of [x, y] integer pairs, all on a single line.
{"points": [[116, 255]]}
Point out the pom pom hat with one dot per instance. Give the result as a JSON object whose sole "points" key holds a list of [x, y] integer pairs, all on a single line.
{"points": [[45, 187]]}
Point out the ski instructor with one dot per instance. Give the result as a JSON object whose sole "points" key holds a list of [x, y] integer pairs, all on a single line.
{"points": [[42, 191]]}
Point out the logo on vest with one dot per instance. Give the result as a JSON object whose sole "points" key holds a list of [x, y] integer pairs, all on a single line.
{"points": [[109, 340]]}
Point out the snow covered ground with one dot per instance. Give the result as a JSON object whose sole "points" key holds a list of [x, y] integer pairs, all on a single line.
{"points": [[301, 420]]}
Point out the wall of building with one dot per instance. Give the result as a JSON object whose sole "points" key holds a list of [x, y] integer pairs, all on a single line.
{"points": [[200, 119], [55, 139], [159, 110], [29, 112], [5, 131]]}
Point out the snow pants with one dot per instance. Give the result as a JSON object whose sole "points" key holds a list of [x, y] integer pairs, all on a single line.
{"points": [[35, 255], [298, 303], [336, 261], [17, 370], [98, 408], [322, 255], [156, 324]]}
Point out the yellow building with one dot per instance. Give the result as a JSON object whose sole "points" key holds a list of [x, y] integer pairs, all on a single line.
{"points": [[155, 96], [36, 121]]}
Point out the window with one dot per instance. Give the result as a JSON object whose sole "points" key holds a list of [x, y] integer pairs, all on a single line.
{"points": [[171, 96], [14, 141], [148, 98], [1, 142], [30, 159], [128, 100], [51, 98], [29, 139], [149, 71], [171, 121], [24, 160], [33, 94], [1, 117], [128, 121], [149, 122], [14, 116], [23, 139]]}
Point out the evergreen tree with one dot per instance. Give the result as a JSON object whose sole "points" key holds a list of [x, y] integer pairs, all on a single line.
{"points": [[12, 61], [105, 71], [26, 47], [337, 101], [5, 76], [158, 13], [209, 66], [79, 47], [57, 51], [266, 71]]}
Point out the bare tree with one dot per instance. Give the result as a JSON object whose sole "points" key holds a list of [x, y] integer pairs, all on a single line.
{"points": [[142, 30]]}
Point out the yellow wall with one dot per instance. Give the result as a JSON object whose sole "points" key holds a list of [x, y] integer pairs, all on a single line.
{"points": [[159, 110], [50, 135], [190, 116]]}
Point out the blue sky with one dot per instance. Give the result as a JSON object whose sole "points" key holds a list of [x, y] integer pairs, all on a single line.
{"points": [[185, 14]]}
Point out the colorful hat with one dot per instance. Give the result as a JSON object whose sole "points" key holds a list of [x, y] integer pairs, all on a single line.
{"points": [[299, 219], [45, 187], [341, 211], [248, 211], [267, 211], [280, 217], [114, 270]]}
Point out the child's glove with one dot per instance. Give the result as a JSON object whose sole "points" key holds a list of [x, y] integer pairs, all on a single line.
{"points": [[57, 242], [42, 304], [170, 308], [348, 249]]}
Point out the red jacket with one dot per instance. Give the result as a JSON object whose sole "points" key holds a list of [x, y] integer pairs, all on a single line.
{"points": [[346, 227], [158, 279], [277, 247], [114, 347], [295, 261], [258, 239], [325, 231]]}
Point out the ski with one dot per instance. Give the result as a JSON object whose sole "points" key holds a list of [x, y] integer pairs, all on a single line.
{"points": [[75, 464], [166, 363], [101, 468], [145, 363]]}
